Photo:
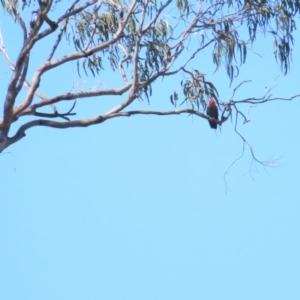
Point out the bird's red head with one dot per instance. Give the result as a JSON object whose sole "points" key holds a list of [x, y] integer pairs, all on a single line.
{"points": [[212, 102]]}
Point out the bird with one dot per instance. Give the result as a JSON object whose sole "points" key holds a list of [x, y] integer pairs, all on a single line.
{"points": [[212, 111]]}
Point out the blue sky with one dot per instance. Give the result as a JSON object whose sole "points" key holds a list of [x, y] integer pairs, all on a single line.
{"points": [[137, 208]]}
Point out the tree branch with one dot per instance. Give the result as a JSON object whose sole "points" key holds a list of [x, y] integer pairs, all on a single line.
{"points": [[95, 120], [73, 96]]}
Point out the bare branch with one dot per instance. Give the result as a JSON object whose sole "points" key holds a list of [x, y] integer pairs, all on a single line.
{"points": [[266, 163], [95, 120], [231, 165], [265, 99], [72, 96], [239, 85], [125, 58], [58, 40]]}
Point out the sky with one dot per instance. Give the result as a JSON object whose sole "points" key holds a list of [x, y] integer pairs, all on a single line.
{"points": [[137, 208]]}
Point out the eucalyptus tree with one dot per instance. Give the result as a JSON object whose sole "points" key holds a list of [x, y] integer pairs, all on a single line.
{"points": [[139, 41]]}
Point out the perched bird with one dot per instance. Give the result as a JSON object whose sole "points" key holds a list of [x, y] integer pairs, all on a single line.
{"points": [[212, 111]]}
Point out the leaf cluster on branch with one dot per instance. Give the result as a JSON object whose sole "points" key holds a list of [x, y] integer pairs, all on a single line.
{"points": [[142, 40]]}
